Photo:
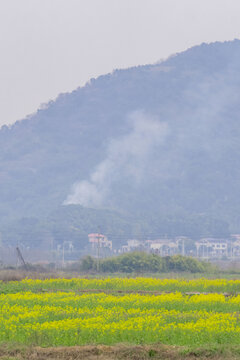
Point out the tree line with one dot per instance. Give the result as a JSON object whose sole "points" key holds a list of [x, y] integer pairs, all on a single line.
{"points": [[141, 262]]}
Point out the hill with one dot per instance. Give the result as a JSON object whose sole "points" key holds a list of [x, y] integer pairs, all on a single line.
{"points": [[154, 148]]}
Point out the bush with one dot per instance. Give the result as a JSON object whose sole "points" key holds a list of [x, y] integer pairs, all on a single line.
{"points": [[183, 263], [142, 262], [87, 264]]}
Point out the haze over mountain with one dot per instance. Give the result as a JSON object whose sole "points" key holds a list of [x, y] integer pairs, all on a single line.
{"points": [[146, 151]]}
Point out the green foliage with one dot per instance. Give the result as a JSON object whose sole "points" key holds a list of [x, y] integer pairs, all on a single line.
{"points": [[183, 263], [141, 262], [132, 262], [87, 264]]}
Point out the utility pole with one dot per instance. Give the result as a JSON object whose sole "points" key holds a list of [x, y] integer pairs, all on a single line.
{"points": [[98, 251], [63, 255], [20, 257], [183, 248]]}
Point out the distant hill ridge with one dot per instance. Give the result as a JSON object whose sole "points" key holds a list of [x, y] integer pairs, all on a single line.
{"points": [[155, 148]]}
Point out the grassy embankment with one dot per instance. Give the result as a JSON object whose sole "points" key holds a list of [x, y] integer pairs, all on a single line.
{"points": [[119, 352]]}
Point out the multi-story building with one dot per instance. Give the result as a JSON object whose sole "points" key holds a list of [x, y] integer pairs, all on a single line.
{"points": [[211, 247], [99, 241], [132, 245], [163, 247]]}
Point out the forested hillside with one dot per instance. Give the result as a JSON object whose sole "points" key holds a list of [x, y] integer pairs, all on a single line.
{"points": [[145, 151]]}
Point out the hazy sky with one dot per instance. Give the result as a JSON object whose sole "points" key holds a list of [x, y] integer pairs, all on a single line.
{"points": [[53, 46]]}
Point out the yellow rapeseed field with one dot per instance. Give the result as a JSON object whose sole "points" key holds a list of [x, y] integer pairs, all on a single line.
{"points": [[141, 283], [52, 312]]}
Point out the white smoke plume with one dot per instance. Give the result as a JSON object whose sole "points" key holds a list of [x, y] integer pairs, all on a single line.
{"points": [[126, 158]]}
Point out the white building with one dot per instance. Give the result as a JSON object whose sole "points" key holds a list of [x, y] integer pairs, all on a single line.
{"points": [[99, 241], [164, 247], [132, 245], [212, 247]]}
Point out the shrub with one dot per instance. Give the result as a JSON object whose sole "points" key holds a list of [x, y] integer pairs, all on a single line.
{"points": [[142, 262], [87, 264]]}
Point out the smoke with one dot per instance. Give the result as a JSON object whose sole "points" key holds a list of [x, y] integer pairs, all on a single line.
{"points": [[127, 158]]}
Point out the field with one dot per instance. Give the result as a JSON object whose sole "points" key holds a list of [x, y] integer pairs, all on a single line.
{"points": [[145, 312]]}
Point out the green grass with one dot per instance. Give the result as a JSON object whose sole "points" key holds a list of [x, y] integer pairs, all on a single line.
{"points": [[123, 284]]}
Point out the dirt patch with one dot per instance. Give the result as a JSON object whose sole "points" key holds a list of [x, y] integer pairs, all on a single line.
{"points": [[120, 352]]}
